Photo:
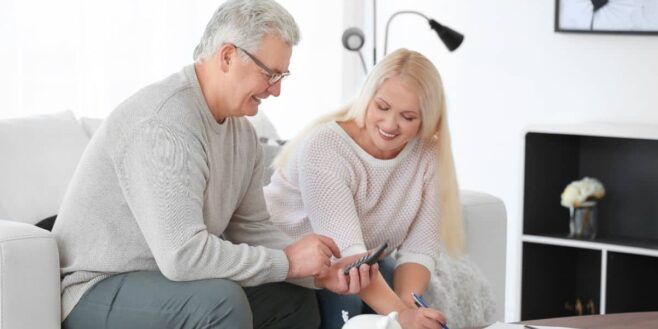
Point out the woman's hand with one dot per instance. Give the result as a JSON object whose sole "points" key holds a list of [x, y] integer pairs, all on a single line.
{"points": [[425, 318], [339, 283]]}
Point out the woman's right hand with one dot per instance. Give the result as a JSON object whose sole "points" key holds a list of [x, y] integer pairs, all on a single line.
{"points": [[357, 279], [425, 318]]}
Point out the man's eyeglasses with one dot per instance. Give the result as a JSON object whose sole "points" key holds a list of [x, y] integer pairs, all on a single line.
{"points": [[272, 76]]}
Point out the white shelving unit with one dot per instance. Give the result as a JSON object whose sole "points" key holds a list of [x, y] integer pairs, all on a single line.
{"points": [[604, 248], [623, 260], [599, 129]]}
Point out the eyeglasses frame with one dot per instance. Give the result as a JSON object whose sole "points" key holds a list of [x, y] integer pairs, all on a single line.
{"points": [[273, 77]]}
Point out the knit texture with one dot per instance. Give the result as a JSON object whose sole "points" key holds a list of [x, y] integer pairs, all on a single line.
{"points": [[461, 292], [163, 187], [332, 187]]}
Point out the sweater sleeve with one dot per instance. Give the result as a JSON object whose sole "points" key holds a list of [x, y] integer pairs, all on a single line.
{"points": [[324, 182], [163, 173], [421, 245], [251, 222]]}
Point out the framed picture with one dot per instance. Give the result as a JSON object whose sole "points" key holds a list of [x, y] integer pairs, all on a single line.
{"points": [[607, 16]]}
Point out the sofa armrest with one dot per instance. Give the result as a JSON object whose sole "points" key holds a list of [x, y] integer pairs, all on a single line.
{"points": [[485, 225], [29, 277]]}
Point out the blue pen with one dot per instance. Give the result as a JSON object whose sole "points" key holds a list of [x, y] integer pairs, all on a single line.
{"points": [[420, 302]]}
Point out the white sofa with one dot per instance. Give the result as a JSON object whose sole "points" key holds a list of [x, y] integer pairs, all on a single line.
{"points": [[37, 158]]}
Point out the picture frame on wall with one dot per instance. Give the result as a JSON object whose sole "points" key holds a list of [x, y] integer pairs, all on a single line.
{"points": [[607, 16]]}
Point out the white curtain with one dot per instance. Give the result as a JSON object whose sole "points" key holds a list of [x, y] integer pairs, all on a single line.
{"points": [[89, 55]]}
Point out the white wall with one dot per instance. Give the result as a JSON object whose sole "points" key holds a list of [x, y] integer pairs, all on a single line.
{"points": [[315, 85], [512, 71], [90, 55], [87, 56]]}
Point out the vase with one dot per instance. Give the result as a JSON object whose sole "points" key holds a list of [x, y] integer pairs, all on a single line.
{"points": [[582, 221]]}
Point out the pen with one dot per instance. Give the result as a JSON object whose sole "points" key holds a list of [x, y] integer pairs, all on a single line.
{"points": [[420, 302]]}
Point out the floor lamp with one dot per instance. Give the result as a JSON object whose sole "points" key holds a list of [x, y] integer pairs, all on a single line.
{"points": [[353, 37]]}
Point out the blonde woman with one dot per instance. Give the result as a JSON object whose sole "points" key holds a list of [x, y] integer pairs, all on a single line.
{"points": [[379, 169]]}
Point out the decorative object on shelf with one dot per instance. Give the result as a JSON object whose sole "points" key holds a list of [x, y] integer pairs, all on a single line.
{"points": [[578, 308], [581, 197], [607, 16], [582, 223], [353, 37]]}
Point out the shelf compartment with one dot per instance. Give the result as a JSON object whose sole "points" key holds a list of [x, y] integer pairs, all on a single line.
{"points": [[625, 166], [554, 276], [631, 283]]}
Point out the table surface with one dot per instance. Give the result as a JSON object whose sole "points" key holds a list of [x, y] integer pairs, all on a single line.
{"points": [[637, 320]]}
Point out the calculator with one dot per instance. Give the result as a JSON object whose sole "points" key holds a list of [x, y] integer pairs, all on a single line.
{"points": [[367, 259]]}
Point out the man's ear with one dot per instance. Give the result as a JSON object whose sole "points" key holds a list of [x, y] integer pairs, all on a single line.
{"points": [[225, 55]]}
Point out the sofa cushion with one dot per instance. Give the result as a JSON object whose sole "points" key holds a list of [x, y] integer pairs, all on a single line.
{"points": [[263, 126], [269, 139], [29, 277], [39, 156], [90, 125]]}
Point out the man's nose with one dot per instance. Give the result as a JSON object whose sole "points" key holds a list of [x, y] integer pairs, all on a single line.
{"points": [[275, 89]]}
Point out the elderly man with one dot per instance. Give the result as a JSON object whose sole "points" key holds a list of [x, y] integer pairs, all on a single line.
{"points": [[164, 224]]}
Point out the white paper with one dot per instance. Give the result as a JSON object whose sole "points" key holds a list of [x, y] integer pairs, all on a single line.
{"points": [[502, 325]]}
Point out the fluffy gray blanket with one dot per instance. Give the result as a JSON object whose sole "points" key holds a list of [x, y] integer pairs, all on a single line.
{"points": [[459, 290]]}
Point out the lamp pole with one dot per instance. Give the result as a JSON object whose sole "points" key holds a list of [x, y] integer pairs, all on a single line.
{"points": [[374, 32], [353, 38], [450, 38], [388, 23]]}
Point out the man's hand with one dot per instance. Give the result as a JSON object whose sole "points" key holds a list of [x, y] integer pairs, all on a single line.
{"points": [[339, 283], [421, 318], [310, 256]]}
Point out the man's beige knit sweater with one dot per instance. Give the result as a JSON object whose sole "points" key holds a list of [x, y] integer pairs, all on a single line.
{"points": [[163, 187]]}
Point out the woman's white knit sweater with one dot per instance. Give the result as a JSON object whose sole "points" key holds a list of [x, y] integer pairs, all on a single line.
{"points": [[331, 186]]}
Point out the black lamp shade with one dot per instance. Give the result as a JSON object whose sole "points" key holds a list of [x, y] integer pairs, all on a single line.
{"points": [[451, 38]]}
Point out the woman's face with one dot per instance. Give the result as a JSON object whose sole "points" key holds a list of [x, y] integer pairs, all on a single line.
{"points": [[392, 118]]}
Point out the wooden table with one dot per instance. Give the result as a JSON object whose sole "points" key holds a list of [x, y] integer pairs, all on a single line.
{"points": [[638, 320]]}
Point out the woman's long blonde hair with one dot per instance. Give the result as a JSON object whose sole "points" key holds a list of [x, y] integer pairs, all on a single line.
{"points": [[420, 73]]}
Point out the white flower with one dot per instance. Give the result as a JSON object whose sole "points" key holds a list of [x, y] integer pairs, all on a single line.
{"points": [[571, 196], [576, 193]]}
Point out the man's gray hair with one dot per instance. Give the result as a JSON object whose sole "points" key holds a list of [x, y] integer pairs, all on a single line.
{"points": [[245, 23]]}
